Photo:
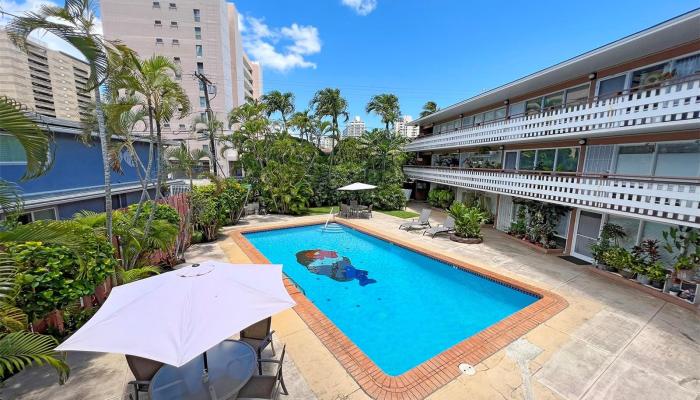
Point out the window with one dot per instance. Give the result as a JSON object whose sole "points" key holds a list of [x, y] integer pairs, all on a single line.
{"points": [[553, 100], [651, 75], [201, 85], [612, 86], [159, 41], [577, 95], [172, 6], [202, 101], [533, 106], [686, 66], [631, 227], [200, 67], [182, 127], [198, 50], [634, 160], [545, 160], [205, 148], [196, 15], [197, 33], [173, 24], [11, 150], [567, 160], [156, 4], [176, 42], [166, 124], [157, 23], [176, 60], [511, 160], [678, 159], [38, 215], [527, 160], [516, 109]]}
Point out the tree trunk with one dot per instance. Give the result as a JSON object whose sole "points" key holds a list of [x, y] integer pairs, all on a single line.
{"points": [[105, 160]]}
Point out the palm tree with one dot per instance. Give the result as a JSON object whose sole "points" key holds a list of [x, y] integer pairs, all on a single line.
{"points": [[202, 124], [75, 23], [304, 122], [329, 103], [379, 148], [185, 160], [428, 108], [386, 106], [151, 81], [276, 101]]}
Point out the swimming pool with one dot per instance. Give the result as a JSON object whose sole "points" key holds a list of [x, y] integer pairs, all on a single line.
{"points": [[398, 306]]}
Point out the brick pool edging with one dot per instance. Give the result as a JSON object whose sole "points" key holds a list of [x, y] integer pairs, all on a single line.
{"points": [[424, 379]]}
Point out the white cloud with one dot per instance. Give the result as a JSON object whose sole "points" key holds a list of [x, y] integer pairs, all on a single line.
{"points": [[361, 7], [282, 48], [47, 39]]}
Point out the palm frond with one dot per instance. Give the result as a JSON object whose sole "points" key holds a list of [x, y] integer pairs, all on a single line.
{"points": [[135, 274], [19, 350], [16, 123]]}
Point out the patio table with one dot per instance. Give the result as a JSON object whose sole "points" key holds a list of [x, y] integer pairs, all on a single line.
{"points": [[231, 365]]}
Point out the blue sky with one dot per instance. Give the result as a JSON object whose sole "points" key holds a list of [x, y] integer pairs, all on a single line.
{"points": [[441, 50]]}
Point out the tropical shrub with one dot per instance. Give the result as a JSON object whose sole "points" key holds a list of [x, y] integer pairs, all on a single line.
{"points": [[519, 227], [684, 243], [542, 218], [50, 276], [610, 236], [207, 215], [441, 198], [468, 220], [163, 212], [231, 198], [619, 258], [388, 198]]}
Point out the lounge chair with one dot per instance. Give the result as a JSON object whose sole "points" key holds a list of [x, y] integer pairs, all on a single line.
{"points": [[143, 370], [421, 223], [265, 386], [259, 336], [447, 227]]}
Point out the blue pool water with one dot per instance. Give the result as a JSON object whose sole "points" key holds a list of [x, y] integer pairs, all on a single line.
{"points": [[405, 309]]}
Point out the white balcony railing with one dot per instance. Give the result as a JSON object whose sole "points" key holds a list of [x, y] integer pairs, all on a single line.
{"points": [[672, 106], [675, 201]]}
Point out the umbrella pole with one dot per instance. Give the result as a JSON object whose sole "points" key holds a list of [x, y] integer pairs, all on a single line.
{"points": [[205, 373]]}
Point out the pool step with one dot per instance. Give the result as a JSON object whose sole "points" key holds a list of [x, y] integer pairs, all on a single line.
{"points": [[332, 228]]}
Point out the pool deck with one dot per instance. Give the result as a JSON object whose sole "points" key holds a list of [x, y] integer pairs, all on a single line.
{"points": [[611, 342], [432, 374]]}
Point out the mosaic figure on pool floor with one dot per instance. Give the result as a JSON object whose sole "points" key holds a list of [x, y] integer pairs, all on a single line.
{"points": [[330, 264]]}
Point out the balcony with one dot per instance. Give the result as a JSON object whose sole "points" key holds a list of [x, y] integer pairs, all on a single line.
{"points": [[667, 200], [673, 106]]}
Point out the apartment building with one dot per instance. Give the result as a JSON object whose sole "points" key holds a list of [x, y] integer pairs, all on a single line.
{"points": [[355, 128], [403, 127], [49, 82], [613, 135], [198, 35]]}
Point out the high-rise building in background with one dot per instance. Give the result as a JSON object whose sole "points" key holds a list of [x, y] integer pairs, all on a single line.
{"points": [[401, 127], [355, 128], [49, 82], [198, 35]]}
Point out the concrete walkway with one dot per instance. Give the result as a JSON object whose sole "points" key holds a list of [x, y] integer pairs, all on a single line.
{"points": [[612, 342]]}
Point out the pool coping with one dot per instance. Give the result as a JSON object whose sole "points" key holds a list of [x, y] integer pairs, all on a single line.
{"points": [[422, 380]]}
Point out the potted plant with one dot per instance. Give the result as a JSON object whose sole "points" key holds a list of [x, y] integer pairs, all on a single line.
{"points": [[468, 222], [621, 260], [657, 275], [519, 227], [684, 241], [646, 254], [610, 237]]}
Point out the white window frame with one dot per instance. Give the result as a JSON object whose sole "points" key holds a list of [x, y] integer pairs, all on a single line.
{"points": [[31, 213]]}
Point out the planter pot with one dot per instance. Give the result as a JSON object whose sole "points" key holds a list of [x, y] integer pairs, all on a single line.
{"points": [[609, 268], [674, 292], [657, 284], [643, 279], [458, 239], [685, 274], [627, 274]]}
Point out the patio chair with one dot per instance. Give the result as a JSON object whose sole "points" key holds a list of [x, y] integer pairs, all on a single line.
{"points": [[421, 223], [447, 227], [353, 203], [143, 370], [259, 336], [367, 212], [265, 386]]}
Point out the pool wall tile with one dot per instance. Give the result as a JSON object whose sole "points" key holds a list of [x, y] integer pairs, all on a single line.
{"points": [[426, 378]]}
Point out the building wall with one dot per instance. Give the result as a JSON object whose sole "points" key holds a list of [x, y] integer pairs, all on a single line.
{"points": [[46, 81], [75, 166]]}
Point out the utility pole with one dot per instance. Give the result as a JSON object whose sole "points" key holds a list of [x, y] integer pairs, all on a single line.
{"points": [[205, 82]]}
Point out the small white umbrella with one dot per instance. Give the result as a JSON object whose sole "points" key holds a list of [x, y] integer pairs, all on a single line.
{"points": [[176, 316], [357, 186]]}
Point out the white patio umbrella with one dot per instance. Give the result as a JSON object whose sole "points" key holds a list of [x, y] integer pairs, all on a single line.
{"points": [[357, 186], [176, 316]]}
